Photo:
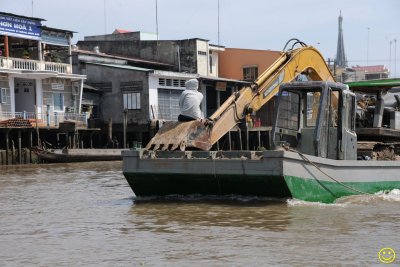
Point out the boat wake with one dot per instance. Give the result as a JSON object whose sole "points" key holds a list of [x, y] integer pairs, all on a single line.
{"points": [[379, 197], [297, 202]]}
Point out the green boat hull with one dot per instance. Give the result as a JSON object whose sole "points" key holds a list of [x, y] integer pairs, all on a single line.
{"points": [[327, 192]]}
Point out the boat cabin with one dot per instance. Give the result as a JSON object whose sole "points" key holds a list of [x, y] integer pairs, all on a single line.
{"points": [[316, 118]]}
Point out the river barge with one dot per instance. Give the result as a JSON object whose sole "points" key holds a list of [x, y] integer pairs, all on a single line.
{"points": [[313, 156], [275, 174]]}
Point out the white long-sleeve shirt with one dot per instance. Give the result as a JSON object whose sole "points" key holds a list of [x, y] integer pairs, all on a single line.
{"points": [[189, 103]]}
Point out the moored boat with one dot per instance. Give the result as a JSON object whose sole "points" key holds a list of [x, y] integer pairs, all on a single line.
{"points": [[78, 155]]}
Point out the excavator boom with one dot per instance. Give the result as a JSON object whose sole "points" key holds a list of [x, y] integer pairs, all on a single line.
{"points": [[304, 60]]}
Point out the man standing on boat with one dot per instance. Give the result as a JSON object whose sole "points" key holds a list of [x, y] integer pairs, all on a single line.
{"points": [[190, 101]]}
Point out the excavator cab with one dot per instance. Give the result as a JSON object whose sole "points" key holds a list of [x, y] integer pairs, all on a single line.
{"points": [[316, 118]]}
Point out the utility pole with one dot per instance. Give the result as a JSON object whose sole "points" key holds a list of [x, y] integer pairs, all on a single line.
{"points": [[367, 45], [395, 58], [390, 56], [105, 20], [157, 21], [218, 22]]}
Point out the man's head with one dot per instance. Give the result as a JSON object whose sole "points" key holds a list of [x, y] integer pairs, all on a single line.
{"points": [[192, 84]]}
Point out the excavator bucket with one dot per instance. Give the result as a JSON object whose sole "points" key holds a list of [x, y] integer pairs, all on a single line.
{"points": [[173, 135]]}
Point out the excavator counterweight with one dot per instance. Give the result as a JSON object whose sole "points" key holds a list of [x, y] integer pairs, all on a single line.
{"points": [[293, 62]]}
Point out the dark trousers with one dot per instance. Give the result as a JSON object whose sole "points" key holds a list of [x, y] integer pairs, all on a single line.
{"points": [[183, 118]]}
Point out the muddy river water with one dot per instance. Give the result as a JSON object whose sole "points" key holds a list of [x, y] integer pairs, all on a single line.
{"points": [[86, 215]]}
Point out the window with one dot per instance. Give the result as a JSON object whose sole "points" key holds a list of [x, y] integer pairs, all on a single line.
{"points": [[131, 94], [250, 73], [288, 113], [168, 104], [171, 82], [57, 86], [131, 100], [312, 108], [3, 95], [58, 101], [132, 86], [350, 107], [211, 65]]}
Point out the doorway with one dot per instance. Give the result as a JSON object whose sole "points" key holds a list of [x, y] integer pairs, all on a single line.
{"points": [[25, 95]]}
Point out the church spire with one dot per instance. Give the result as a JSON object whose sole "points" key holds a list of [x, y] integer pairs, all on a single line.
{"points": [[340, 55]]}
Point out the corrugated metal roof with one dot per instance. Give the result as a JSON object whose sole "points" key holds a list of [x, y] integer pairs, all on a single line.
{"points": [[139, 60], [126, 67], [25, 17], [121, 31], [377, 68], [221, 79]]}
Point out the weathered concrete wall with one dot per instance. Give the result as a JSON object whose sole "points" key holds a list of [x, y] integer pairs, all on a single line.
{"points": [[149, 50], [130, 36], [182, 54], [111, 102], [188, 55]]}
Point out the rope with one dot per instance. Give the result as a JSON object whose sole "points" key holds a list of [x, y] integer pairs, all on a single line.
{"points": [[330, 177]]}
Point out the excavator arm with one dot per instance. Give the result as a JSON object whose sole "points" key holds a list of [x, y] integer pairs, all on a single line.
{"points": [[293, 62]]}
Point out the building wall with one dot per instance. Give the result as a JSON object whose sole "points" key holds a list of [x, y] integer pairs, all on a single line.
{"points": [[70, 95], [165, 52], [232, 61], [111, 102], [187, 56], [129, 36], [167, 81], [182, 54], [202, 52]]}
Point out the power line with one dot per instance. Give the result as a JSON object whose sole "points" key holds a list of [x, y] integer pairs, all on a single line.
{"points": [[373, 60], [367, 45], [105, 19], [395, 59], [218, 22], [157, 21]]}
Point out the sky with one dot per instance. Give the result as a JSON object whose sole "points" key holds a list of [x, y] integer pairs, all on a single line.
{"points": [[369, 26]]}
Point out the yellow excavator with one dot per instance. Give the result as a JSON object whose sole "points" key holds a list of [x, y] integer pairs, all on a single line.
{"points": [[296, 59]]}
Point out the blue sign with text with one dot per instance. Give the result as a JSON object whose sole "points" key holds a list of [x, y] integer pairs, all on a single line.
{"points": [[20, 27]]}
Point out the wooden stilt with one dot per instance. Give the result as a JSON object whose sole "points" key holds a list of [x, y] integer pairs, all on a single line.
{"points": [[19, 147], [7, 147], [230, 141], [240, 139]]}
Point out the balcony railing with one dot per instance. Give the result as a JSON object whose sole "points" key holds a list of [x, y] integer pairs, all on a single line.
{"points": [[46, 119], [34, 65]]}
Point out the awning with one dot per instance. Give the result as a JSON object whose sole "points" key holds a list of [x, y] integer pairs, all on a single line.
{"points": [[373, 86]]}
